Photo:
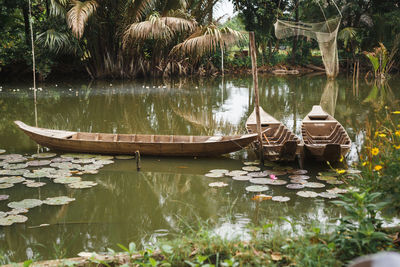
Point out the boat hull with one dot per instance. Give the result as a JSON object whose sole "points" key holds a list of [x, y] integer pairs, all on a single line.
{"points": [[65, 143]]}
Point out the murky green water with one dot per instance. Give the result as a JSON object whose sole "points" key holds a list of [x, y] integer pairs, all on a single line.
{"points": [[168, 194]]}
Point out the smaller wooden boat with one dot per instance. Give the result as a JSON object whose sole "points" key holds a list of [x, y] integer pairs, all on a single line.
{"points": [[146, 144], [279, 143], [324, 137]]}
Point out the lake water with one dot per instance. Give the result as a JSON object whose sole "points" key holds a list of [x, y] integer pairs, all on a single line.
{"points": [[168, 194]]}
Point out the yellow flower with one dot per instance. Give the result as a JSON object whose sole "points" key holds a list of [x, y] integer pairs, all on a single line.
{"points": [[364, 163], [397, 133], [382, 135], [396, 147], [341, 158], [396, 112], [378, 168], [340, 171], [375, 151]]}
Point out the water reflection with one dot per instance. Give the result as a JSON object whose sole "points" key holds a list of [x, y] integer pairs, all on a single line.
{"points": [[169, 194]]}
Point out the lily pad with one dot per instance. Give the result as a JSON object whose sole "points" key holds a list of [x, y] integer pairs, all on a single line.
{"points": [[12, 179], [103, 162], [103, 157], [2, 151], [4, 197], [44, 155], [277, 182], [259, 180], [83, 161], [10, 156], [90, 172], [337, 190], [35, 184], [60, 159], [326, 178], [223, 171], [249, 163], [328, 195], [3, 214], [65, 165], [78, 156], [259, 174], [124, 157], [37, 163], [241, 178], [307, 194], [91, 167], [314, 185], [279, 173], [218, 184], [17, 166], [295, 186], [251, 168], [214, 175], [334, 182], [298, 181], [299, 176], [61, 200], [25, 204], [67, 180], [82, 184], [6, 185], [11, 219], [13, 172], [236, 173], [298, 172], [280, 198], [17, 211], [36, 175], [257, 188], [16, 160]]}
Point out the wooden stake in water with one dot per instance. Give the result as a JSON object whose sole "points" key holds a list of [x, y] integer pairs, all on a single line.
{"points": [[33, 61], [256, 95]]}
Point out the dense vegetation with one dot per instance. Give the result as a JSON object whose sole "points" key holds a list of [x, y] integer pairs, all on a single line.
{"points": [[149, 37]]}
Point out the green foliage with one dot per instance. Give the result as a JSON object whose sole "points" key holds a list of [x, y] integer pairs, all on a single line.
{"points": [[359, 232]]}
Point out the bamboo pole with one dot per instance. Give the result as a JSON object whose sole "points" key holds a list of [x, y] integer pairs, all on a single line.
{"points": [[33, 62], [256, 95]]}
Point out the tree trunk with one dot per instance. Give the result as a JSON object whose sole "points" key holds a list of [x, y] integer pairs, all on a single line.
{"points": [[25, 13]]}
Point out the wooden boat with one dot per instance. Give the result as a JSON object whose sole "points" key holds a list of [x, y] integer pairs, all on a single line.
{"points": [[159, 145], [324, 137], [279, 143]]}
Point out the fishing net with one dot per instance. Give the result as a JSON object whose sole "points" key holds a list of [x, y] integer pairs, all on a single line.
{"points": [[325, 33]]}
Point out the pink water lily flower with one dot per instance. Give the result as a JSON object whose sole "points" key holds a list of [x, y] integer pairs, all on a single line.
{"points": [[273, 177]]}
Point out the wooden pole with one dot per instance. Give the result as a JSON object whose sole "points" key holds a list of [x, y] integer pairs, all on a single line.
{"points": [[33, 61], [256, 95]]}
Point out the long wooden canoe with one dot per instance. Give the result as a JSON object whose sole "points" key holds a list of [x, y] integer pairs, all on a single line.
{"points": [[279, 143], [324, 137], [159, 145]]}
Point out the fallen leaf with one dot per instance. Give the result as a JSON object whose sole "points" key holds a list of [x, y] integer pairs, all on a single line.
{"points": [[276, 256]]}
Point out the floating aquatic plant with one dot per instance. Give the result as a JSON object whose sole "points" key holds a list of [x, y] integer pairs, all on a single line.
{"points": [[61, 200], [4, 197], [38, 163], [299, 176], [223, 171], [328, 195], [259, 180], [218, 184], [17, 166], [257, 188], [214, 175], [251, 168], [307, 194], [314, 185], [241, 178], [236, 173], [280, 198], [6, 185], [11, 219], [67, 180], [25, 204], [295, 186], [35, 184], [82, 185], [2, 151], [124, 157], [298, 172], [44, 155]]}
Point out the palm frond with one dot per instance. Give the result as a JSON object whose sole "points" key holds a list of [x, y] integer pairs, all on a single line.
{"points": [[137, 9], [58, 8], [156, 27], [79, 14], [207, 39], [55, 41]]}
